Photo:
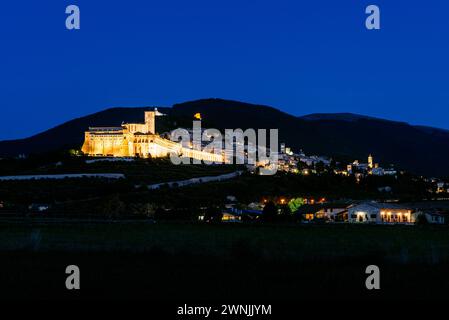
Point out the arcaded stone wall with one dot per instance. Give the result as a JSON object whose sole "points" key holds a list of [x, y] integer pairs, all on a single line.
{"points": [[105, 144]]}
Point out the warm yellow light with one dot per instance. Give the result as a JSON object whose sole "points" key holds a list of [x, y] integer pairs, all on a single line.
{"points": [[197, 116], [139, 140]]}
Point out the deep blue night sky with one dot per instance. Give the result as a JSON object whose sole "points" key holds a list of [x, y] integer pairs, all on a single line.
{"points": [[299, 56]]}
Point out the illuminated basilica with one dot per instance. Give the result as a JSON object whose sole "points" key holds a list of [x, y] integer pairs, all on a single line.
{"points": [[138, 140]]}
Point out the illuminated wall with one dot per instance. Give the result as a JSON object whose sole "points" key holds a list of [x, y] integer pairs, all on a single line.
{"points": [[137, 139]]}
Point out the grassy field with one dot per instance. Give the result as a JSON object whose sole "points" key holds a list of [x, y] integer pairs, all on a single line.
{"points": [[166, 261]]}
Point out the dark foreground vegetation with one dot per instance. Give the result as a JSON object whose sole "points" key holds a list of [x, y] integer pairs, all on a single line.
{"points": [[138, 171], [194, 262]]}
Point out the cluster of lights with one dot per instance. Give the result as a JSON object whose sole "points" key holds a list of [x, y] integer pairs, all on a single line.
{"points": [[283, 200]]}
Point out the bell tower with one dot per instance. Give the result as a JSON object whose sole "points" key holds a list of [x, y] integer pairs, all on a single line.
{"points": [[150, 121], [370, 161]]}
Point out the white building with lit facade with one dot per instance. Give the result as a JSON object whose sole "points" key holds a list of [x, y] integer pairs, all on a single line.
{"points": [[380, 213]]}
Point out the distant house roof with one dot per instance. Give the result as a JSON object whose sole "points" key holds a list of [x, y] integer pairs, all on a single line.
{"points": [[383, 205], [338, 205], [243, 211], [313, 208], [437, 213], [309, 208]]}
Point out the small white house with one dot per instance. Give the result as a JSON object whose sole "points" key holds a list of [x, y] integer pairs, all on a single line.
{"points": [[38, 207], [433, 217], [375, 212], [390, 172], [377, 171]]}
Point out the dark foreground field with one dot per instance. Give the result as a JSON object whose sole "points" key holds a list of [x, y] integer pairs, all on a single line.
{"points": [[191, 262]]}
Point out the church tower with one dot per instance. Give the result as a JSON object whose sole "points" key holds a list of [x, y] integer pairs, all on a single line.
{"points": [[370, 161], [150, 121]]}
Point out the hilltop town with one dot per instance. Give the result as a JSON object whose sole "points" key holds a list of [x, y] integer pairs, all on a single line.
{"points": [[127, 172]]}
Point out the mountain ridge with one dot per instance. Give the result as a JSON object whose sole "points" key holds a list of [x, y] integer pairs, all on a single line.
{"points": [[420, 149], [343, 116]]}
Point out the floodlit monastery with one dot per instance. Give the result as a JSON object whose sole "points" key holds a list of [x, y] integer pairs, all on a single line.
{"points": [[138, 140]]}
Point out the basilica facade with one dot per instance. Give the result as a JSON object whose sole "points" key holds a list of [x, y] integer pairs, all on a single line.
{"points": [[138, 140]]}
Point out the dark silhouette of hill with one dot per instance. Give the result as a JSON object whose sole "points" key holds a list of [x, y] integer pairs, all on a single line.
{"points": [[349, 117], [71, 133], [421, 150], [417, 149]]}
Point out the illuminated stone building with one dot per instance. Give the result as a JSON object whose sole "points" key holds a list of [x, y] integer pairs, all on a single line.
{"points": [[138, 140]]}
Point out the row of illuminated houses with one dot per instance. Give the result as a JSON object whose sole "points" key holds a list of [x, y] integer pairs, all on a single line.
{"points": [[368, 212], [371, 212]]}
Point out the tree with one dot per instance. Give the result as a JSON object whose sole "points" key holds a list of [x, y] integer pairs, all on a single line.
{"points": [[320, 167], [421, 219], [114, 207], [333, 165], [143, 209], [213, 214], [269, 211], [295, 203]]}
